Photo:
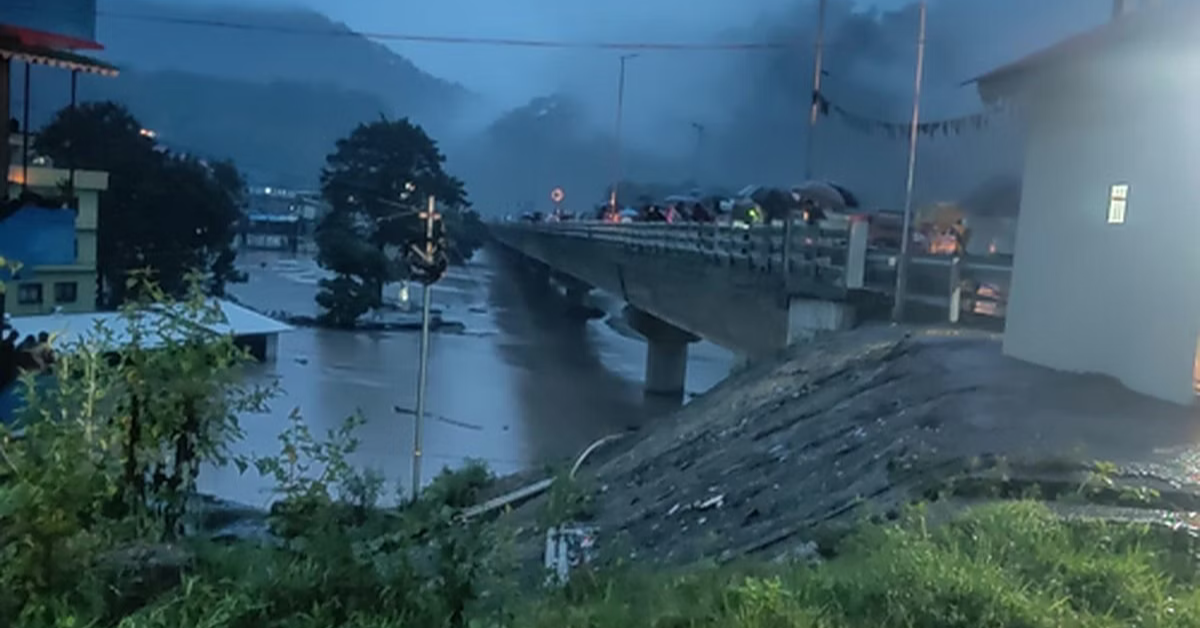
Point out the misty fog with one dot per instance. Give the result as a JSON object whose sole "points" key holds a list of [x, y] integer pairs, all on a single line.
{"points": [[527, 119], [754, 105]]}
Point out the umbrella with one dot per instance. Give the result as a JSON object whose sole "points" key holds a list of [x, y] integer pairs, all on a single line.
{"points": [[825, 193], [748, 191]]}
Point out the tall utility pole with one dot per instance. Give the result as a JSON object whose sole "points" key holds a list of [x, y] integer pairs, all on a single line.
{"points": [[811, 137], [906, 233], [818, 69], [698, 167], [430, 216], [612, 199]]}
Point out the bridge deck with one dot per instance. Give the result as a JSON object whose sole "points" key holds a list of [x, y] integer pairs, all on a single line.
{"points": [[690, 274]]}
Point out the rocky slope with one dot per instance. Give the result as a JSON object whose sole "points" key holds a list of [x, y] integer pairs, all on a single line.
{"points": [[865, 422]]}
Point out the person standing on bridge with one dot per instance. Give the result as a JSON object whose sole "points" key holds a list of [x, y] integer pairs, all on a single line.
{"points": [[754, 216]]}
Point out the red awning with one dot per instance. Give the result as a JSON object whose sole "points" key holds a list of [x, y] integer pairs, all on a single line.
{"points": [[43, 39], [15, 50]]}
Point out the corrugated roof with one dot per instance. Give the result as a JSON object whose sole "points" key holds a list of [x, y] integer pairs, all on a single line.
{"points": [[95, 326], [75, 328], [1151, 23], [241, 321]]}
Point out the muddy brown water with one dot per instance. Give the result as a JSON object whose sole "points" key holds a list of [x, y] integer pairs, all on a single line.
{"points": [[522, 386]]}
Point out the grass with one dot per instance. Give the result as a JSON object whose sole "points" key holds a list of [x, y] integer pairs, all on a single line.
{"points": [[1012, 565]]}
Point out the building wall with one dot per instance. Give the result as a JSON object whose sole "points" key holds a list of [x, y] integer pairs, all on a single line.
{"points": [[1089, 296], [81, 271]]}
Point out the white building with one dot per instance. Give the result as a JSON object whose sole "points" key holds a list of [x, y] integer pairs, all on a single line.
{"points": [[1108, 241]]}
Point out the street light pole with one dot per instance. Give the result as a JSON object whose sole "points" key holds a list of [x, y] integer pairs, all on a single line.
{"points": [[430, 215], [612, 199], [906, 234]]}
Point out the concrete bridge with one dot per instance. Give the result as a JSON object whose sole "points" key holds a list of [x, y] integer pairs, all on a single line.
{"points": [[751, 290]]}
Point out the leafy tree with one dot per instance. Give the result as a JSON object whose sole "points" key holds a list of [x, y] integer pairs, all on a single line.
{"points": [[168, 212], [377, 181]]}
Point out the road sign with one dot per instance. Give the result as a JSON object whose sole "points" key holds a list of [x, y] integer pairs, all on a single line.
{"points": [[557, 195]]}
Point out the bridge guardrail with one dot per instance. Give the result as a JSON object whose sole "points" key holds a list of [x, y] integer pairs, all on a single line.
{"points": [[817, 252], [833, 256]]}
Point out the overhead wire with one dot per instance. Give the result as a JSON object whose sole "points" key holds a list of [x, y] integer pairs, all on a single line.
{"points": [[450, 39], [461, 40]]}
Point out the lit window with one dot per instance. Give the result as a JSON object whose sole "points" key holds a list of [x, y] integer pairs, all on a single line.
{"points": [[1116, 203]]}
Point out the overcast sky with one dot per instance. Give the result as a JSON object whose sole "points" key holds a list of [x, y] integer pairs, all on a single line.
{"points": [[512, 75]]}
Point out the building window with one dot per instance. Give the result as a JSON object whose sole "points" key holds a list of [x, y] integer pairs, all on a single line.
{"points": [[1117, 198], [29, 294], [66, 292]]}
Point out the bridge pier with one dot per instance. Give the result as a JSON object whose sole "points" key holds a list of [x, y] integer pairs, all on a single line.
{"points": [[666, 354], [808, 317]]}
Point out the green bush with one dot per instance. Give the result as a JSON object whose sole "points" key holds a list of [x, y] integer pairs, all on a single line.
{"points": [[1013, 565], [93, 494]]}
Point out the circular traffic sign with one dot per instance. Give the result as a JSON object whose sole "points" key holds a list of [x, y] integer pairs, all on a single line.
{"points": [[557, 195]]}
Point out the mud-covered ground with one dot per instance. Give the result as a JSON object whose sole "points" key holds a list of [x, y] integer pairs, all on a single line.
{"points": [[865, 422]]}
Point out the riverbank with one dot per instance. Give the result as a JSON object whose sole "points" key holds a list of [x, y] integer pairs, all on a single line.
{"points": [[865, 423]]}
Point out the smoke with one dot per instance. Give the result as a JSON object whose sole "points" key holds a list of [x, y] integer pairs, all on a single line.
{"points": [[754, 105], [722, 118]]}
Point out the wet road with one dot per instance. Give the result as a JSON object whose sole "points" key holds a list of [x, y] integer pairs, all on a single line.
{"points": [[524, 384]]}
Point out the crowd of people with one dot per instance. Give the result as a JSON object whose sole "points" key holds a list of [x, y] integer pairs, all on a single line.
{"points": [[669, 213], [23, 355]]}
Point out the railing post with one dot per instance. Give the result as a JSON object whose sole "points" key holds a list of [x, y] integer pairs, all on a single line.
{"points": [[955, 289], [856, 254]]}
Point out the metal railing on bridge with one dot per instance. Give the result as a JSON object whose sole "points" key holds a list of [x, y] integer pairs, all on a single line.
{"points": [[831, 260]]}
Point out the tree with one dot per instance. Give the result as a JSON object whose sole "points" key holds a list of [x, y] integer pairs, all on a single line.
{"points": [[171, 213], [377, 181]]}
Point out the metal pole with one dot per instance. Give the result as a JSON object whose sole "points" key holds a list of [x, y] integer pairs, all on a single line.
{"points": [[698, 167], [612, 199], [906, 234], [25, 135], [815, 110], [810, 139], [423, 372], [5, 118], [71, 150]]}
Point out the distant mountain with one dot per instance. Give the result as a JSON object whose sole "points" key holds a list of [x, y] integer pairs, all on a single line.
{"points": [[271, 99], [547, 144], [269, 44], [278, 133]]}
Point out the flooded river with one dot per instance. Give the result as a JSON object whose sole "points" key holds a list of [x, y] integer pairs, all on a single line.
{"points": [[522, 385]]}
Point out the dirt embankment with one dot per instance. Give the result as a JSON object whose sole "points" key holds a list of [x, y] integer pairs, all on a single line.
{"points": [[865, 422]]}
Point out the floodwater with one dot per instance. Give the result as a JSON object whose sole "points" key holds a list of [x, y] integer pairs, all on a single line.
{"points": [[523, 385]]}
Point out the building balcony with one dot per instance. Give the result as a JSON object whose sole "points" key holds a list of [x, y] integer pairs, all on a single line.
{"points": [[47, 179]]}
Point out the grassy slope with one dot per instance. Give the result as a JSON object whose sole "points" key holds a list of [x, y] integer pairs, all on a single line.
{"points": [[1010, 565], [998, 566]]}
